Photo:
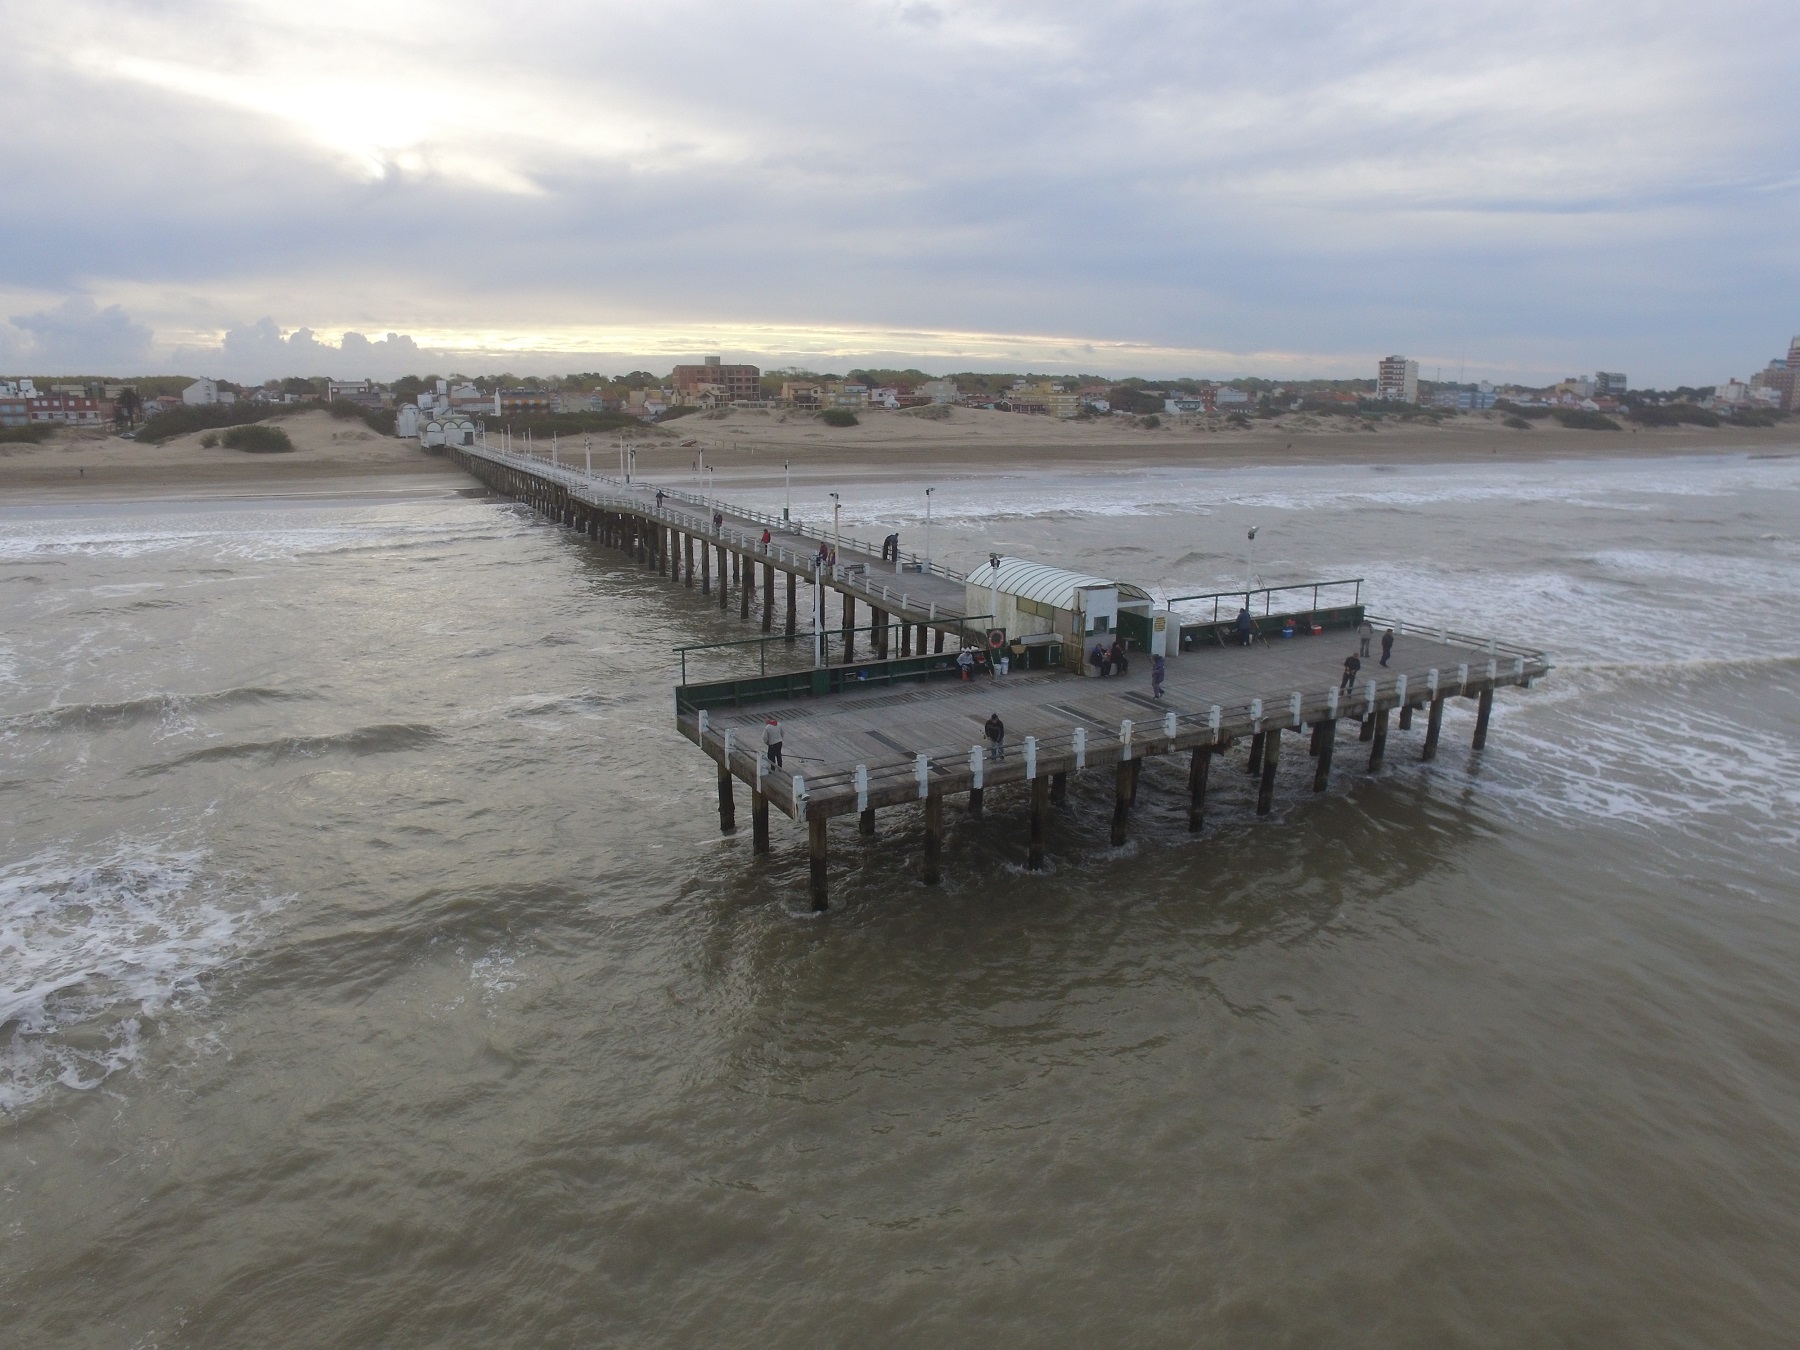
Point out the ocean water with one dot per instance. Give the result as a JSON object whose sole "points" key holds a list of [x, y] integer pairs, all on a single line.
{"points": [[372, 970]]}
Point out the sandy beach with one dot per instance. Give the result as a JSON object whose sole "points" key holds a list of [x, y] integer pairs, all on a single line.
{"points": [[332, 454]]}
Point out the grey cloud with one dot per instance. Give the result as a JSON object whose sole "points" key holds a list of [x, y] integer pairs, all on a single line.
{"points": [[1315, 176], [79, 336]]}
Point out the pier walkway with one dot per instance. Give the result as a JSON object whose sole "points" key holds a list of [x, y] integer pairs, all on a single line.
{"points": [[905, 727]]}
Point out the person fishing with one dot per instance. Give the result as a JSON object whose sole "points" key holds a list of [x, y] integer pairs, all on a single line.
{"points": [[1159, 669], [1246, 627], [996, 734], [1351, 665], [1387, 646], [772, 740]]}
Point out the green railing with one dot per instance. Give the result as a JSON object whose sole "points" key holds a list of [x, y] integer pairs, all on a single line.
{"points": [[1224, 632], [819, 683], [1292, 597]]}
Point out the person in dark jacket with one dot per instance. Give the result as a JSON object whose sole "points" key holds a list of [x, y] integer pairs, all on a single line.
{"points": [[1245, 626], [1352, 664], [1387, 646], [996, 734], [1159, 669], [1116, 656]]}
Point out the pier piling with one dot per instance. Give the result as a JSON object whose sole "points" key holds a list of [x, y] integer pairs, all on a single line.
{"points": [[1378, 746], [1199, 770], [1271, 758], [1327, 730], [1434, 724], [1484, 710], [815, 848]]}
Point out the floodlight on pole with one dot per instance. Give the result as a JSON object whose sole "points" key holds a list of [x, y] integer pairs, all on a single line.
{"points": [[1250, 564]]}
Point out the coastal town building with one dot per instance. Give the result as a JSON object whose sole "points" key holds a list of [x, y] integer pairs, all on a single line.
{"points": [[845, 394], [365, 393], [940, 391], [523, 402], [1397, 380], [733, 384], [802, 393], [70, 409], [1610, 384], [206, 393]]}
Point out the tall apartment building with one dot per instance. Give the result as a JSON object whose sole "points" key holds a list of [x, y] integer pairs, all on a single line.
{"points": [[1609, 384], [1397, 378], [742, 383]]}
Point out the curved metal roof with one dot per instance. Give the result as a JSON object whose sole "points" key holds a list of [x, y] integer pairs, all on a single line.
{"points": [[1047, 585]]}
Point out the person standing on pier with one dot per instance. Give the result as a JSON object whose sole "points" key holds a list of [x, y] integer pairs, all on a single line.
{"points": [[659, 499], [1245, 626], [1365, 630], [1158, 670], [996, 733], [1387, 646], [1351, 666], [772, 741]]}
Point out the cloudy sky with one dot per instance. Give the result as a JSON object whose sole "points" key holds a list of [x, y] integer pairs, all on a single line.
{"points": [[1287, 187]]}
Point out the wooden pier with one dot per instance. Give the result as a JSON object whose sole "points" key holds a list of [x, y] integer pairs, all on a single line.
{"points": [[903, 726]]}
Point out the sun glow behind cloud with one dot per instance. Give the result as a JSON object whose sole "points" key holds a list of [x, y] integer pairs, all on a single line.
{"points": [[966, 181]]}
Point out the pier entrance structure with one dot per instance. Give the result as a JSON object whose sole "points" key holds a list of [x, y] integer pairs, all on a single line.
{"points": [[903, 725], [1049, 614]]}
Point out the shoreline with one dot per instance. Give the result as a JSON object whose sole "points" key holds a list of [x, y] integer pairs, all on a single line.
{"points": [[335, 459]]}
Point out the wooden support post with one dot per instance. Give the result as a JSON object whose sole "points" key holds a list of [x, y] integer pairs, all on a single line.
{"points": [[746, 584], [865, 823], [1327, 743], [724, 590], [793, 605], [1199, 770], [934, 836], [975, 801], [727, 806], [1484, 710], [937, 645], [1121, 801], [1040, 807], [815, 840], [849, 638], [905, 639], [1265, 792], [1367, 733], [1312, 746], [1434, 724], [687, 549], [768, 617], [1406, 718], [1378, 748], [1258, 743], [705, 568], [1059, 788], [759, 822], [1137, 769]]}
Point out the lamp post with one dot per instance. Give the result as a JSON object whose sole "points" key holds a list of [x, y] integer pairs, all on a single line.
{"points": [[818, 616], [928, 492], [993, 589], [837, 506], [787, 482], [1250, 565], [587, 448]]}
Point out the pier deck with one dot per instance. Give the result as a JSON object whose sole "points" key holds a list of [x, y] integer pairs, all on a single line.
{"points": [[883, 731]]}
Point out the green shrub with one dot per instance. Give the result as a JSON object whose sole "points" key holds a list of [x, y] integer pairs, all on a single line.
{"points": [[209, 440], [259, 439], [1513, 409], [379, 419], [1674, 415], [838, 417], [202, 417], [1579, 419], [1517, 424], [29, 434], [1237, 419], [1150, 423]]}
